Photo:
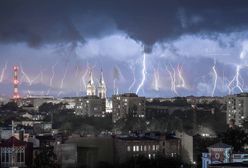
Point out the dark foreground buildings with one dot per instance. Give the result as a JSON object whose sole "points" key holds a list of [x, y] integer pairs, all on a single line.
{"points": [[114, 150]]}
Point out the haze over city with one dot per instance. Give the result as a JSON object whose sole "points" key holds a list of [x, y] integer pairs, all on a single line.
{"points": [[190, 48]]}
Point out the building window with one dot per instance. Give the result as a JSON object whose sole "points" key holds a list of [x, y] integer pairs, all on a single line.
{"points": [[157, 147], [128, 148], [141, 148], [145, 148], [137, 148], [153, 147], [149, 156], [134, 149]]}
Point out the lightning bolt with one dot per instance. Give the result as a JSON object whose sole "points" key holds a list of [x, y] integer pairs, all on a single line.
{"points": [[28, 79], [3, 72], [172, 79], [156, 80], [236, 81], [215, 78], [134, 78], [85, 75], [181, 80], [143, 74], [51, 78], [63, 78], [62, 82]]}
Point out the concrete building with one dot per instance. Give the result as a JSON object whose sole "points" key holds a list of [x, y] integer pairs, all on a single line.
{"points": [[128, 105], [90, 105], [186, 146], [149, 145], [237, 108], [131, 146], [109, 105], [85, 151]]}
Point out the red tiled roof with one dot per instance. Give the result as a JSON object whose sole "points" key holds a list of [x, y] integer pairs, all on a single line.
{"points": [[12, 141]]}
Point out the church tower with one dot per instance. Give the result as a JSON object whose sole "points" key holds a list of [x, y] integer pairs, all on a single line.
{"points": [[101, 90], [91, 89]]}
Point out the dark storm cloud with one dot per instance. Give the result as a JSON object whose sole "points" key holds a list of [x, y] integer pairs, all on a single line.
{"points": [[41, 22]]}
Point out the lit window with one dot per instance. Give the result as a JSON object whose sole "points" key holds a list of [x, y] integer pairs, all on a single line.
{"points": [[128, 148], [157, 147], [141, 148], [134, 149], [153, 147], [137, 148], [149, 156]]}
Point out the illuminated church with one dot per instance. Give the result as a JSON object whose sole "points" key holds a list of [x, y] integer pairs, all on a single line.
{"points": [[92, 90]]}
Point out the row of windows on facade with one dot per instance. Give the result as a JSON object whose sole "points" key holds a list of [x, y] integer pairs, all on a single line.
{"points": [[9, 155], [141, 148], [149, 155]]}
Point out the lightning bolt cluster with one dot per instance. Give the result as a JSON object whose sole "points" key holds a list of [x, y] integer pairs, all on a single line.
{"points": [[176, 78], [143, 73]]}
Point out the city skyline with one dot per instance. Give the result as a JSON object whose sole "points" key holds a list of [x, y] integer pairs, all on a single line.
{"points": [[194, 48]]}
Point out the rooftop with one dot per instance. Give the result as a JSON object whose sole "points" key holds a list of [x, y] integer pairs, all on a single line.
{"points": [[220, 145]]}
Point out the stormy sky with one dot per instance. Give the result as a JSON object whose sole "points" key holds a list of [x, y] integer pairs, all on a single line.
{"points": [[190, 47]]}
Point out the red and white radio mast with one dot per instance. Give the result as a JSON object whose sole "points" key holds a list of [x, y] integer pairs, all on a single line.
{"points": [[16, 95]]}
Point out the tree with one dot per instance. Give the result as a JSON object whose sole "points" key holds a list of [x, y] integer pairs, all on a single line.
{"points": [[10, 106], [245, 124], [46, 158], [235, 137]]}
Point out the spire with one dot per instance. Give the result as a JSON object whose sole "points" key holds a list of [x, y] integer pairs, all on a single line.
{"points": [[101, 87], [101, 78], [91, 81], [91, 90]]}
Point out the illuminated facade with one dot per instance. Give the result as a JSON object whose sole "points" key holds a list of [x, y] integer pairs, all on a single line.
{"points": [[237, 108]]}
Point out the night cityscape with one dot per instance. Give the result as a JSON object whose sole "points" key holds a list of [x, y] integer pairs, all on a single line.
{"points": [[123, 84]]}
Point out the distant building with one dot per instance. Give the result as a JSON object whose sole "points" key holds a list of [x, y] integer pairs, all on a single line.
{"points": [[90, 106], [69, 102], [33, 102], [237, 108], [16, 153], [157, 107], [128, 104]]}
